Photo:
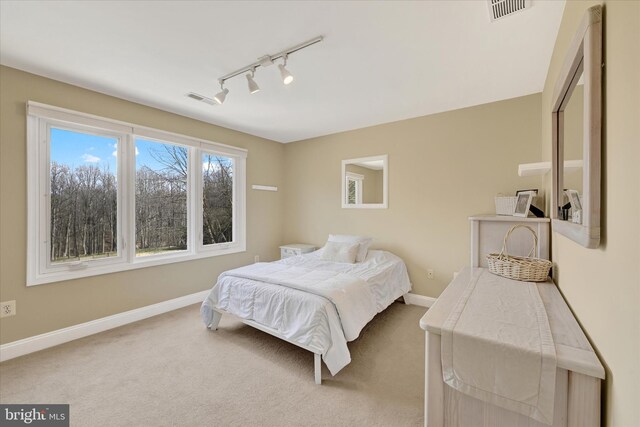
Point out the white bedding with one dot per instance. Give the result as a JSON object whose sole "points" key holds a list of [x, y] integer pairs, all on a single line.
{"points": [[313, 316]]}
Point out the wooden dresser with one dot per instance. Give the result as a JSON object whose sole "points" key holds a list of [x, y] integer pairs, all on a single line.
{"points": [[578, 376]]}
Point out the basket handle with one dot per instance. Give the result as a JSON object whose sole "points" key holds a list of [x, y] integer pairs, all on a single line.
{"points": [[506, 237]]}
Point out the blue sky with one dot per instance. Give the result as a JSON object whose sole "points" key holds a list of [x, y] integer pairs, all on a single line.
{"points": [[76, 149]]}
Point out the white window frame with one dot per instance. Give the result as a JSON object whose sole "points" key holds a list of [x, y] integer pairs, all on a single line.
{"points": [[238, 202], [132, 202], [358, 179], [43, 203], [40, 117]]}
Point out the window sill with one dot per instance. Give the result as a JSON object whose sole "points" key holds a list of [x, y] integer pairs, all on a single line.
{"points": [[60, 276]]}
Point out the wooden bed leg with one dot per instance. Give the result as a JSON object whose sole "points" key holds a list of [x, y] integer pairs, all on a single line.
{"points": [[215, 319], [317, 362]]}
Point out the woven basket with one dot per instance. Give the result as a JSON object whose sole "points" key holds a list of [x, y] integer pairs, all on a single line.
{"points": [[526, 269]]}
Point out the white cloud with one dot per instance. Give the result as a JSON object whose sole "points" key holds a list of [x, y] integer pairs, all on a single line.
{"points": [[89, 158]]}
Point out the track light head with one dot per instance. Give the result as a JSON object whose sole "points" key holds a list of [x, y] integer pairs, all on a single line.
{"points": [[253, 86], [220, 96], [287, 77]]}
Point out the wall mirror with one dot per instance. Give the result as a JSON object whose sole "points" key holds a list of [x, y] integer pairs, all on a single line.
{"points": [[364, 182], [576, 118]]}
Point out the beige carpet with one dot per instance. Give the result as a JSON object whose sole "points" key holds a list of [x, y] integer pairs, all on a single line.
{"points": [[171, 371]]}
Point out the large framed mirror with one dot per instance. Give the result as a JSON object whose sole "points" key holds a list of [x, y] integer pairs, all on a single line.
{"points": [[365, 182], [576, 117]]}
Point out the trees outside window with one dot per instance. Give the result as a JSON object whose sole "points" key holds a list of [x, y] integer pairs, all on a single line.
{"points": [[83, 196], [161, 197], [217, 199]]}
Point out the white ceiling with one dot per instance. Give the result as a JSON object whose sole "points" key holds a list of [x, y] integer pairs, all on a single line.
{"points": [[377, 165], [379, 62]]}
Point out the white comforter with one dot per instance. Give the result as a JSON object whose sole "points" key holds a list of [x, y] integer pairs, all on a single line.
{"points": [[318, 304]]}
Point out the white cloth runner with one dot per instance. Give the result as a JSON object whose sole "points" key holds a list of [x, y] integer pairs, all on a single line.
{"points": [[497, 346], [352, 297]]}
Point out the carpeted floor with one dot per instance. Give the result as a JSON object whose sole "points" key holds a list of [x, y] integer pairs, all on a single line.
{"points": [[170, 370]]}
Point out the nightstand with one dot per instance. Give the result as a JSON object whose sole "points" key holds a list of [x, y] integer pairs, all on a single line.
{"points": [[294, 249]]}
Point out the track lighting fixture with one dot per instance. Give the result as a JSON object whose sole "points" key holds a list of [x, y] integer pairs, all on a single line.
{"points": [[286, 75], [220, 96], [253, 86], [264, 61]]}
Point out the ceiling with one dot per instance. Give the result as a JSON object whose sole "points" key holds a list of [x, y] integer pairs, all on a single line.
{"points": [[377, 165], [379, 62]]}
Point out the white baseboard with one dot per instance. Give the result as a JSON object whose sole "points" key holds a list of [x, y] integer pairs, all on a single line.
{"points": [[415, 299], [40, 342]]}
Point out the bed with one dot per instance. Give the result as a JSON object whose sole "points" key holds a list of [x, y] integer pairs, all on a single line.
{"points": [[309, 301]]}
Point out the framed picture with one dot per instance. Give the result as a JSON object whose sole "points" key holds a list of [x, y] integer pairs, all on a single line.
{"points": [[574, 199], [576, 206], [523, 202], [537, 212]]}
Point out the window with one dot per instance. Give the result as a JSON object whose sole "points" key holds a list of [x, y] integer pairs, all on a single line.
{"points": [[108, 196], [217, 199], [161, 197], [82, 206], [354, 188]]}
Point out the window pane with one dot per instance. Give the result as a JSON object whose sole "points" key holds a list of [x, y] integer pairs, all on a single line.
{"points": [[83, 188], [351, 187], [161, 198], [217, 211]]}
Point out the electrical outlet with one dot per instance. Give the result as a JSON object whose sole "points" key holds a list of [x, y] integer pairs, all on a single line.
{"points": [[256, 258], [429, 274], [7, 308]]}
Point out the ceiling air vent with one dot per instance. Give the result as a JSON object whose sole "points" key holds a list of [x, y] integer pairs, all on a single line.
{"points": [[201, 98], [499, 9]]}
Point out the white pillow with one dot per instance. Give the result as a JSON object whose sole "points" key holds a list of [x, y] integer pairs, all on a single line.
{"points": [[340, 252], [364, 242]]}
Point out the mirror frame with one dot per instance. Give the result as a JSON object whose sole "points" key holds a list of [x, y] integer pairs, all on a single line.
{"points": [[385, 183], [584, 55]]}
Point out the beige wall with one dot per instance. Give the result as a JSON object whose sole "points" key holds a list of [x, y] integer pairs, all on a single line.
{"points": [[442, 168], [48, 307], [602, 285]]}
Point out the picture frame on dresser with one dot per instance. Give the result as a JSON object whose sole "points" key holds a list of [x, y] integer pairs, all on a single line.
{"points": [[576, 206], [523, 203]]}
